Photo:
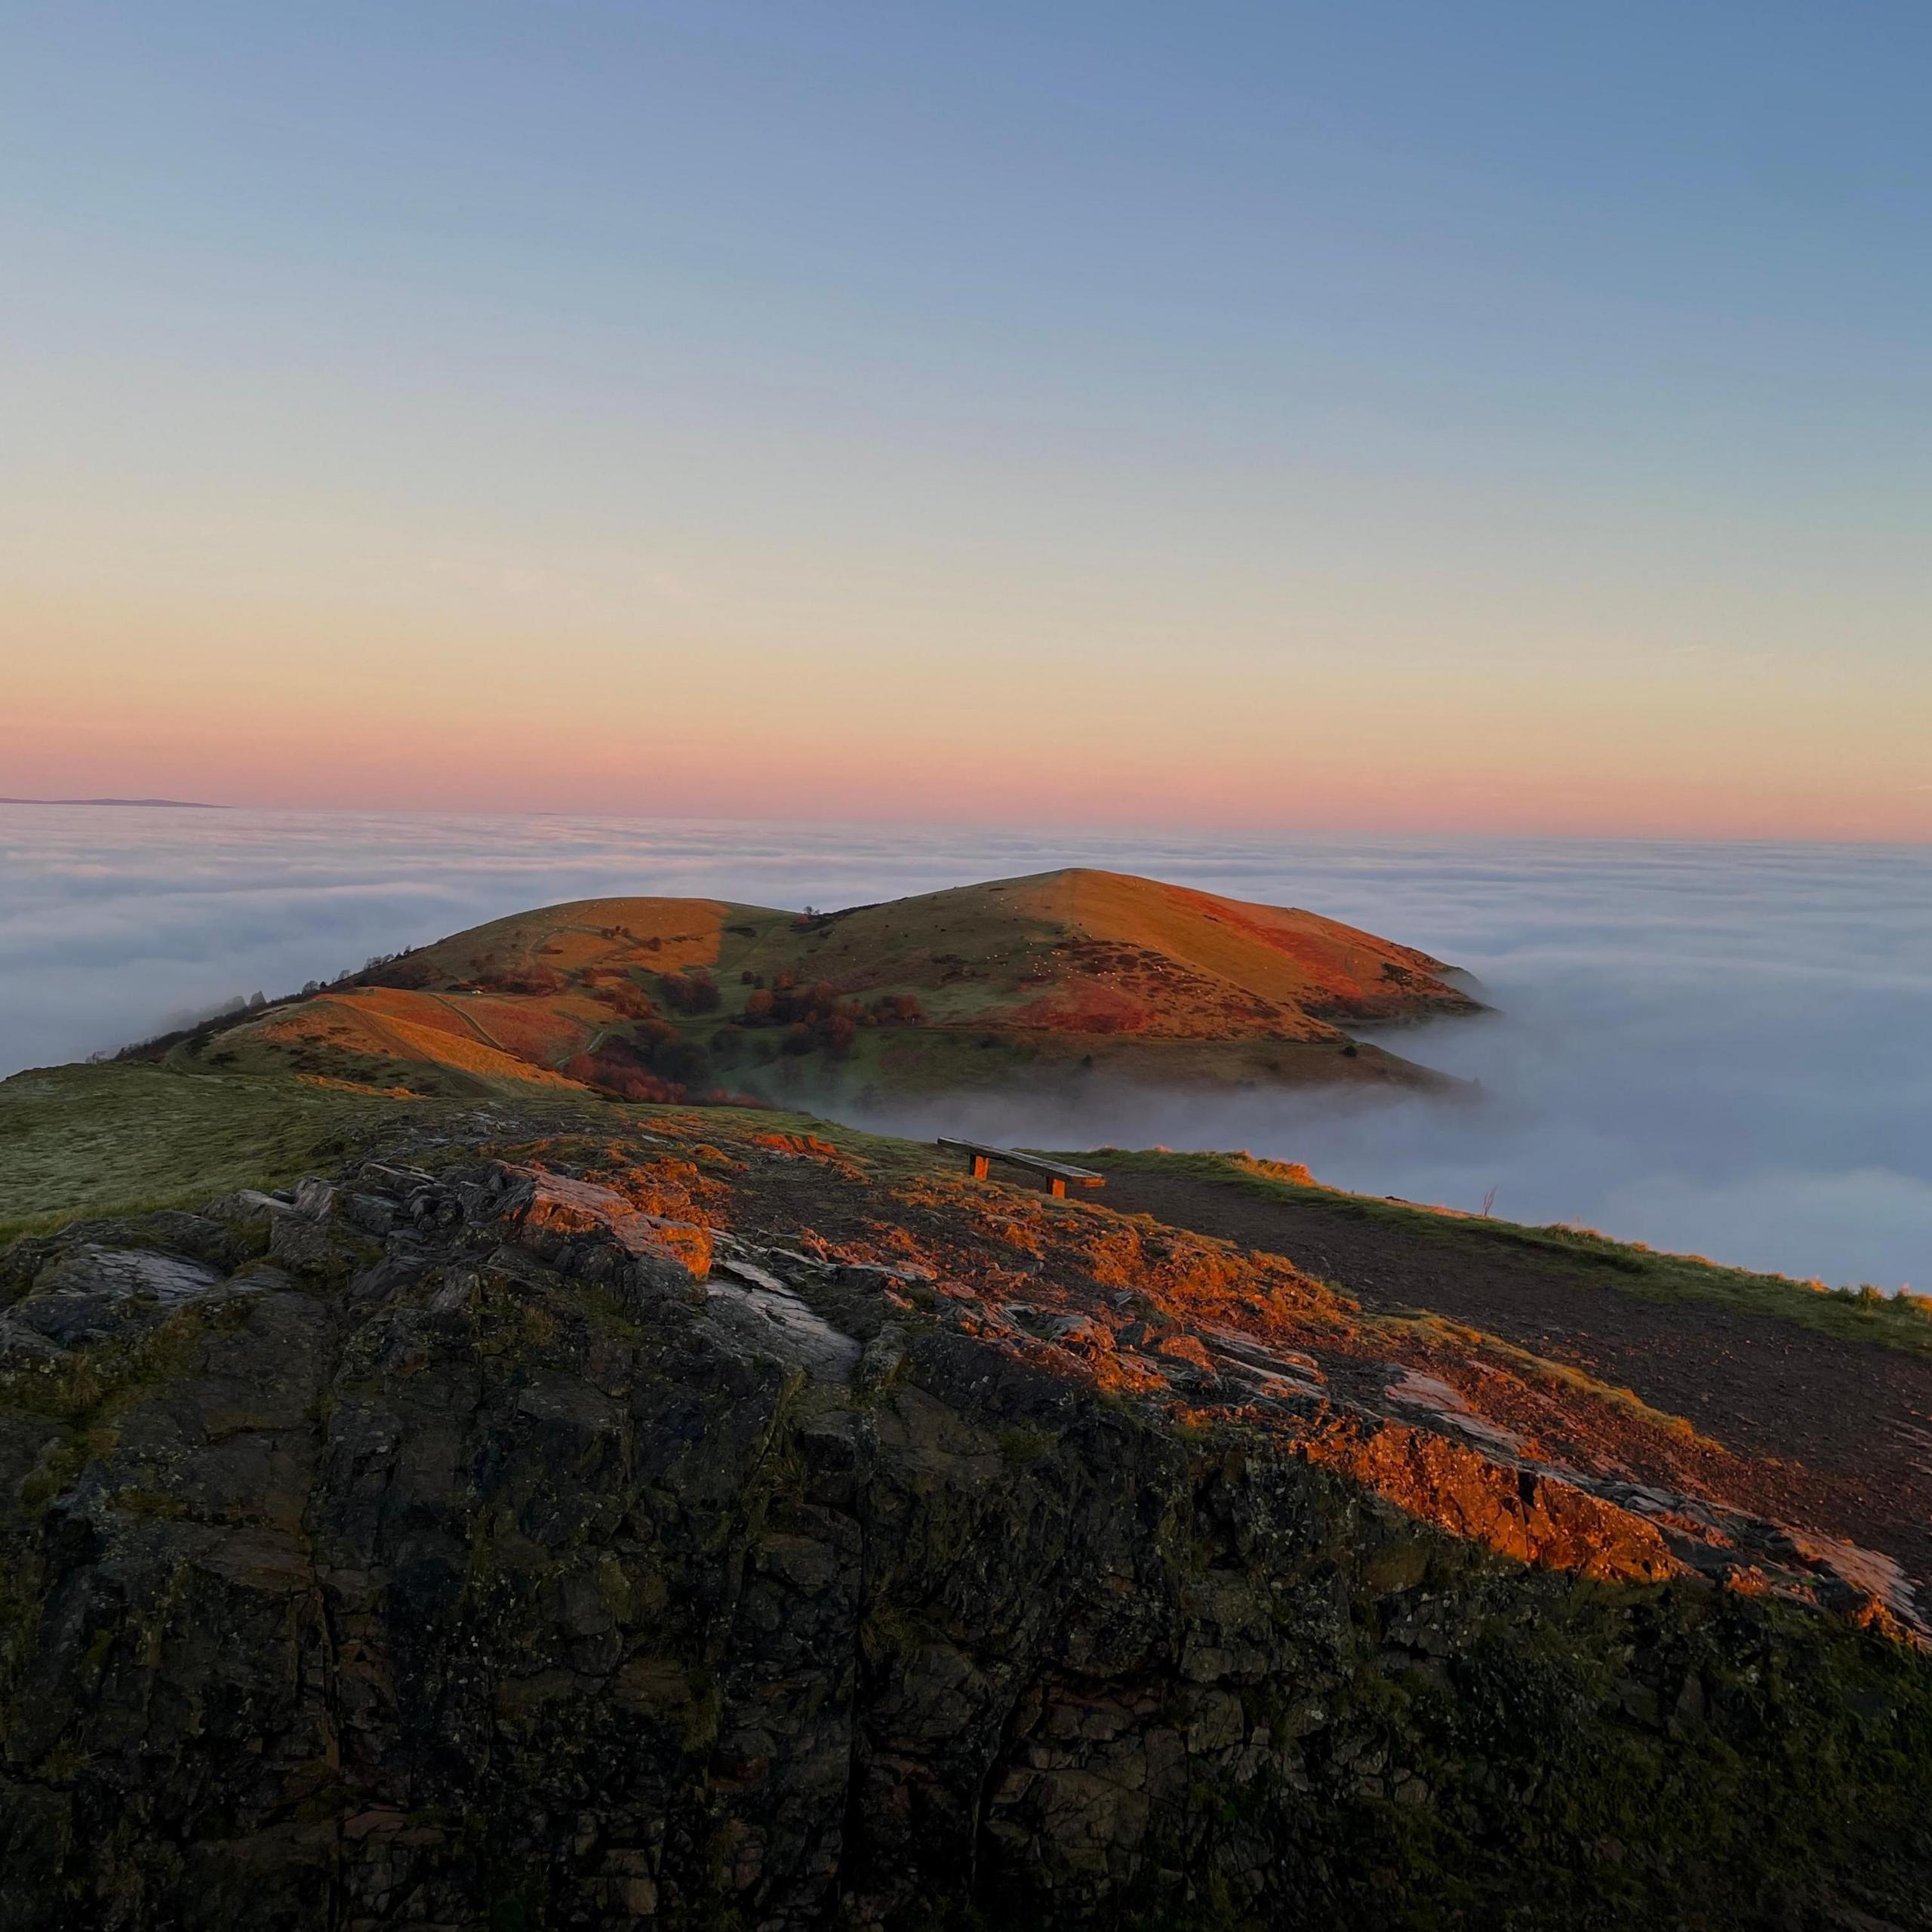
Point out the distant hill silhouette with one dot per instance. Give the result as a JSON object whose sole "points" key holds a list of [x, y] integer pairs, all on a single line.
{"points": [[168, 805]]}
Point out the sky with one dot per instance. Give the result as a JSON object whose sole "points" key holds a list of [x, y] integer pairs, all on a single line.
{"points": [[1379, 416]]}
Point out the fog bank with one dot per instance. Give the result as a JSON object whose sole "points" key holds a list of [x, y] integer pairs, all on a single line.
{"points": [[1727, 1049]]}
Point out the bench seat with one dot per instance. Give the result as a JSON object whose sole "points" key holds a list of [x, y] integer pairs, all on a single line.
{"points": [[1059, 1174]]}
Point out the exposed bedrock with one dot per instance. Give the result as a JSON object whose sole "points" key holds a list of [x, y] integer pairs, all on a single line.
{"points": [[487, 1551]]}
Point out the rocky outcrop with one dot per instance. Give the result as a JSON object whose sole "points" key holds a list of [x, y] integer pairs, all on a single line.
{"points": [[482, 1548]]}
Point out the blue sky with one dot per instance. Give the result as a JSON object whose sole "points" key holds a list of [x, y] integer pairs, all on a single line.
{"points": [[1370, 361]]}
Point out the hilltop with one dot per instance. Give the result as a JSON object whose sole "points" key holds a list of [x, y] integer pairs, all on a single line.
{"points": [[1057, 978], [536, 1510]]}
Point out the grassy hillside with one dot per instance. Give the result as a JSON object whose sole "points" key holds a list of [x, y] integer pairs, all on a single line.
{"points": [[1580, 1259], [94, 1138], [1086, 952], [131, 1137], [84, 1139], [1063, 974]]}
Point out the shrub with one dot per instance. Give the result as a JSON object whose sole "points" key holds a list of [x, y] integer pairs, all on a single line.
{"points": [[538, 982], [603, 1071], [621, 994], [656, 1064], [815, 1016], [689, 992]]}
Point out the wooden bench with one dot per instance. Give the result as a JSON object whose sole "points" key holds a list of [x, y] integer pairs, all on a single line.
{"points": [[1058, 1172]]}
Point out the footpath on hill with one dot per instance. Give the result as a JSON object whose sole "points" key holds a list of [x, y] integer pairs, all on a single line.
{"points": [[1851, 1422]]}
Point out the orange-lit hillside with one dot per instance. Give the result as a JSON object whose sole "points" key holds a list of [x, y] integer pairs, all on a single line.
{"points": [[428, 1030], [663, 998], [1084, 950]]}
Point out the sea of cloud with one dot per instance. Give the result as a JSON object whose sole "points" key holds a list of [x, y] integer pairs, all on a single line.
{"points": [[1723, 1049]]}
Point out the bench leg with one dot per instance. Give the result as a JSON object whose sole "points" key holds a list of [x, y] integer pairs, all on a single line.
{"points": [[1057, 1186], [980, 1165]]}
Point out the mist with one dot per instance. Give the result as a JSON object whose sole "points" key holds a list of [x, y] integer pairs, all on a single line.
{"points": [[1722, 1050]]}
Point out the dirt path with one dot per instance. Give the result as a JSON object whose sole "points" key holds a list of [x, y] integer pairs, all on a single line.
{"points": [[470, 1020], [1856, 1417]]}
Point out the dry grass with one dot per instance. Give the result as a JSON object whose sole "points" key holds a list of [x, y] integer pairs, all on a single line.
{"points": [[1070, 949], [382, 1024]]}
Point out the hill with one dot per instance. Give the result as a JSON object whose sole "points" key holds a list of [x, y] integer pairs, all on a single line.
{"points": [[1059, 976], [534, 1510], [168, 805]]}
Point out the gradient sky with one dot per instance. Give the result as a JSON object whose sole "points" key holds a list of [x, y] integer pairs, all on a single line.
{"points": [[1377, 416]]}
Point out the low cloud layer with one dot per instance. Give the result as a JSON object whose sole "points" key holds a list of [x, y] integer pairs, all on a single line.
{"points": [[1724, 1050]]}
